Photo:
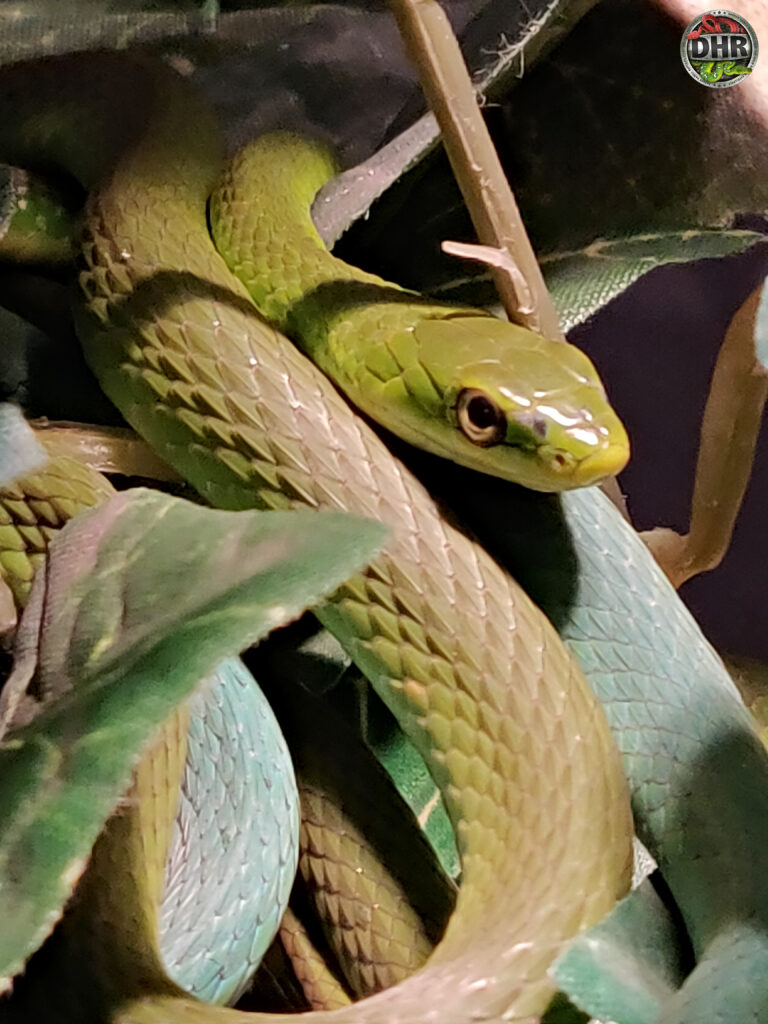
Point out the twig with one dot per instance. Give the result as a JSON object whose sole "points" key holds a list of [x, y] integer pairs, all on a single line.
{"points": [[449, 92], [729, 431]]}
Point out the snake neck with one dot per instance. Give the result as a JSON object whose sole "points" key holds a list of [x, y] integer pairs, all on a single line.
{"points": [[356, 326], [261, 222]]}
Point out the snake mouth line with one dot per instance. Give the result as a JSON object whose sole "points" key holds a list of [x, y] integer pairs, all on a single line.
{"points": [[589, 470]]}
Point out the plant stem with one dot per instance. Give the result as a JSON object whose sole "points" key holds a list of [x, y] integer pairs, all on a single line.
{"points": [[729, 431], [448, 88]]}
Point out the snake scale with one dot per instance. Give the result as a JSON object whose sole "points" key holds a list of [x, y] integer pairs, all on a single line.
{"points": [[382, 901], [699, 778], [502, 715], [233, 854]]}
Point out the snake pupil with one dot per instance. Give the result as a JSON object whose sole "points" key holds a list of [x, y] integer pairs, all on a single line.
{"points": [[482, 412], [480, 418]]}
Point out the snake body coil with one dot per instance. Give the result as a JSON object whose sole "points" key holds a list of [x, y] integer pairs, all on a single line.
{"points": [[474, 673]]}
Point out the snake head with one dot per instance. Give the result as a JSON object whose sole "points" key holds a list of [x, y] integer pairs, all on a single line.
{"points": [[517, 405]]}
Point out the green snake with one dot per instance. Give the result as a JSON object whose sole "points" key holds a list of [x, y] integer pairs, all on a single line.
{"points": [[246, 420], [476, 676]]}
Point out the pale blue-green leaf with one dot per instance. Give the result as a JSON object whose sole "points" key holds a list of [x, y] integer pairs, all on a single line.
{"points": [[19, 451]]}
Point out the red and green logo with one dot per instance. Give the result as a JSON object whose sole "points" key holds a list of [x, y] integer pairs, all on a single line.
{"points": [[719, 49]]}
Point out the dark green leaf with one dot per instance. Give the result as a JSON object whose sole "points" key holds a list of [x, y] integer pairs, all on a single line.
{"points": [[583, 281], [143, 597]]}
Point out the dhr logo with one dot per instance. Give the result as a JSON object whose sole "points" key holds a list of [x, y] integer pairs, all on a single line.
{"points": [[719, 49]]}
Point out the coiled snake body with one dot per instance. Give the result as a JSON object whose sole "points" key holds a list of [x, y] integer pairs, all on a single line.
{"points": [[476, 676]]}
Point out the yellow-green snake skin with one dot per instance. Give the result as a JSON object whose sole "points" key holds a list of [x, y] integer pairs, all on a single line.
{"points": [[474, 673]]}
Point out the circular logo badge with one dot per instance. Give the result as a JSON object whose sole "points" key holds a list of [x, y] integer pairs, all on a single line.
{"points": [[719, 49]]}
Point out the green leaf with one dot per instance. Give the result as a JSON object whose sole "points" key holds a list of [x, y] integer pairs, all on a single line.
{"points": [[144, 596], [19, 451], [407, 769], [583, 282], [625, 968]]}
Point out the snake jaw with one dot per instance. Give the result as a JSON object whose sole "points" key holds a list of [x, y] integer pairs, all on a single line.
{"points": [[580, 449], [607, 461]]}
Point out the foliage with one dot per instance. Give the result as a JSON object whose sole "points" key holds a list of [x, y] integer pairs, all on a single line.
{"points": [[618, 173]]}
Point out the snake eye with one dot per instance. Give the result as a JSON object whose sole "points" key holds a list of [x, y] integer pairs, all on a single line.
{"points": [[481, 420]]}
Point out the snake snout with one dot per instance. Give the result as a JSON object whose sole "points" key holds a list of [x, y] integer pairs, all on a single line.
{"points": [[609, 460]]}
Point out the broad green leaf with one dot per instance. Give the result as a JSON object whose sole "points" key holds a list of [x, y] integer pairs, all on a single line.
{"points": [[19, 451], [625, 968], [143, 597]]}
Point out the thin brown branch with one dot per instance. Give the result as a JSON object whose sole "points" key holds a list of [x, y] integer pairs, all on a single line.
{"points": [[729, 431], [448, 88]]}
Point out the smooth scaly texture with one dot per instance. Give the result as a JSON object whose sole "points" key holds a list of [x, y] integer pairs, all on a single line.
{"points": [[403, 359], [212, 935], [238, 807], [322, 990], [234, 845], [34, 509], [697, 769], [474, 673], [343, 878], [369, 876]]}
